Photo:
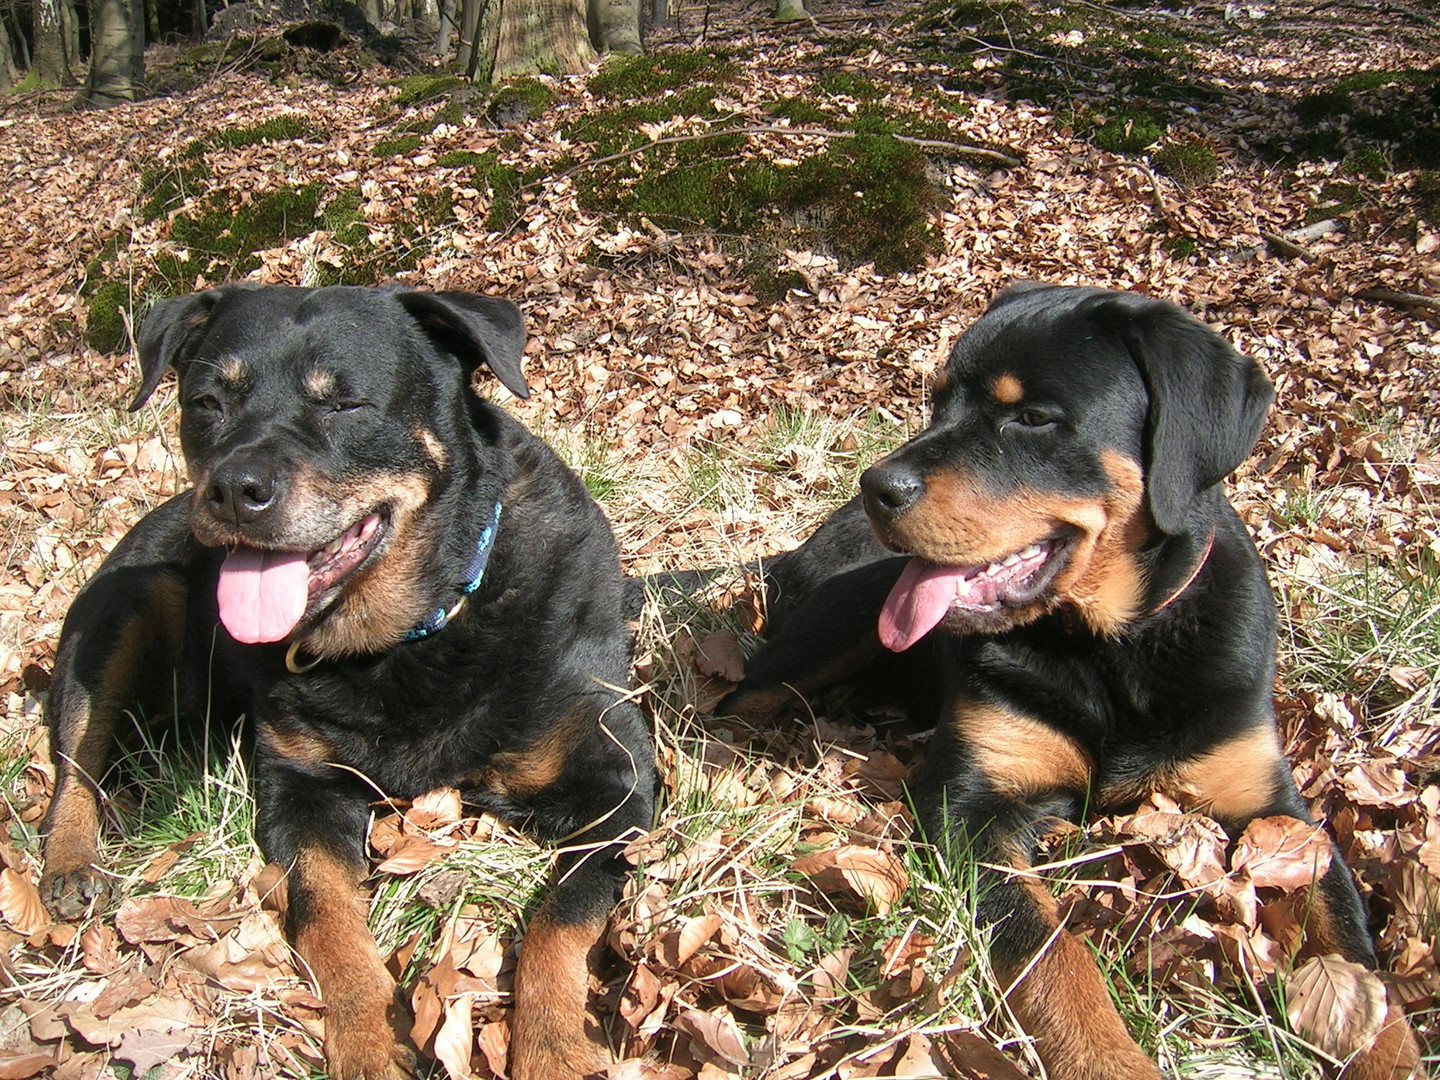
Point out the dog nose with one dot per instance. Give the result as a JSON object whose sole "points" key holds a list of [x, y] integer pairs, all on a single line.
{"points": [[240, 491], [890, 489]]}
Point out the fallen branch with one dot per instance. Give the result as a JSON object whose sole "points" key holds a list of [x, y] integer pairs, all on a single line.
{"points": [[1403, 299], [1156, 195], [1280, 245], [1290, 243], [934, 145]]}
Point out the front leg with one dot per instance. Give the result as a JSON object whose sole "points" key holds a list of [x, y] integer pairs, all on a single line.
{"points": [[1248, 777], [991, 778], [123, 634], [588, 785], [313, 825]]}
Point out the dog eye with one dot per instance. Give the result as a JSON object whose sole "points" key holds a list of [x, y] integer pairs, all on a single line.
{"points": [[1033, 419], [206, 403]]}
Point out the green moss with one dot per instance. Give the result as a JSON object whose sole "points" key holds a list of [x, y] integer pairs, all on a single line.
{"points": [[626, 78], [1128, 133], [164, 188], [418, 89], [463, 159], [400, 146], [276, 129], [618, 128], [343, 220], [1368, 162], [1315, 108], [1425, 193], [842, 82], [523, 98], [800, 111], [875, 197], [1181, 247], [769, 283], [104, 327], [435, 207], [221, 240], [1189, 161]]}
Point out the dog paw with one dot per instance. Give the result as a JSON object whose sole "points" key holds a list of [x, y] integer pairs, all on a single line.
{"points": [[69, 893], [558, 1055], [350, 1057], [1394, 1055]]}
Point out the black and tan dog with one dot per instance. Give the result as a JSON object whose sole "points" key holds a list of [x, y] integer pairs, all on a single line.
{"points": [[1054, 559], [404, 590]]}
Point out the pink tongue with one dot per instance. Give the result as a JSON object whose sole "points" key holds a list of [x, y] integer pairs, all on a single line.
{"points": [[262, 594], [918, 602]]}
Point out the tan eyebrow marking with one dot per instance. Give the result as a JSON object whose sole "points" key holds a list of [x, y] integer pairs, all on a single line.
{"points": [[320, 383], [1007, 389]]}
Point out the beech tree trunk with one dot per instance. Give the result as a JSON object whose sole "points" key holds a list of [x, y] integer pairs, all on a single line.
{"points": [[8, 74], [117, 51], [791, 10], [50, 60], [615, 26], [540, 35]]}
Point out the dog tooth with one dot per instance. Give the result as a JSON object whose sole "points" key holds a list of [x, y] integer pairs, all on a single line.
{"points": [[1011, 559], [1030, 552]]}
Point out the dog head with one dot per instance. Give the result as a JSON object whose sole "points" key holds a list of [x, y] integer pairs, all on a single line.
{"points": [[1072, 427], [326, 432]]}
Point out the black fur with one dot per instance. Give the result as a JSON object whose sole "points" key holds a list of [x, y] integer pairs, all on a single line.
{"points": [[1048, 402], [303, 411]]}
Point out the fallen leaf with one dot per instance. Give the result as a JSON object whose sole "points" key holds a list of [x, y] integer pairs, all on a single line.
{"points": [[20, 904], [1282, 853], [870, 874], [720, 654], [1337, 1005]]}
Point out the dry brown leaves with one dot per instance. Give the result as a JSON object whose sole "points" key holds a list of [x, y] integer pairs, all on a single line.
{"points": [[661, 349]]}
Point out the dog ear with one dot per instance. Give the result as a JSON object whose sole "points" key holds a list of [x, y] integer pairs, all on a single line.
{"points": [[1207, 404], [170, 334], [1016, 289], [475, 330]]}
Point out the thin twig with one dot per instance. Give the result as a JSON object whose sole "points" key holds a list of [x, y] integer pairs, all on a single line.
{"points": [[1157, 196]]}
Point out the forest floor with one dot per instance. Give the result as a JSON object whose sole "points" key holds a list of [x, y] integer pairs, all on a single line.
{"points": [[719, 372]]}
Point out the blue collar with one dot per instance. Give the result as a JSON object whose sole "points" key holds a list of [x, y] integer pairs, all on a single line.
{"points": [[474, 574]]}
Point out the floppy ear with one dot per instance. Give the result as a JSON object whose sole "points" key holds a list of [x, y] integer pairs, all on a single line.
{"points": [[1207, 404], [170, 334], [475, 330], [1016, 289]]}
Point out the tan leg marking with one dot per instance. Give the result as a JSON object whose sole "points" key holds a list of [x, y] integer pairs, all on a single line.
{"points": [[553, 1036], [1233, 782], [524, 772], [364, 1024], [1062, 1001], [759, 706], [85, 731], [1021, 757], [296, 745]]}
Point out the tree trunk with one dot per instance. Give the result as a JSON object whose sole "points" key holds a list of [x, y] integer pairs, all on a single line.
{"points": [[615, 26], [790, 10], [477, 27], [539, 35], [50, 62], [70, 27], [7, 59], [446, 31], [117, 51]]}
